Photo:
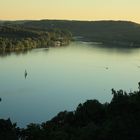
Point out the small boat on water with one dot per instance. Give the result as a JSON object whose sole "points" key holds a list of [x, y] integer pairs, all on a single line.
{"points": [[25, 74]]}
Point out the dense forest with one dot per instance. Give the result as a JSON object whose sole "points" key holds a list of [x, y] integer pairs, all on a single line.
{"points": [[92, 120], [120, 33], [107, 32], [17, 37]]}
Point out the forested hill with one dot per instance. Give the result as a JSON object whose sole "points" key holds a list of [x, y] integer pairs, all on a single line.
{"points": [[17, 37], [108, 32], [119, 33]]}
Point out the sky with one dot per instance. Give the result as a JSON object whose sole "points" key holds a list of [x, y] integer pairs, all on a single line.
{"points": [[70, 9]]}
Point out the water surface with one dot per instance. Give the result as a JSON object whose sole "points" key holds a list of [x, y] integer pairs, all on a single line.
{"points": [[60, 78]]}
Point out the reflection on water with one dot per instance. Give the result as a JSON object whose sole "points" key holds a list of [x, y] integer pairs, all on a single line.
{"points": [[23, 52], [8, 53], [113, 48], [60, 78]]}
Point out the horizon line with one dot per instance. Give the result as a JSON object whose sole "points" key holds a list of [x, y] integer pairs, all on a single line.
{"points": [[10, 20]]}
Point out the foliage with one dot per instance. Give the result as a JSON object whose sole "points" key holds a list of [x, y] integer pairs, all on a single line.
{"points": [[8, 130], [16, 37], [119, 119], [119, 33]]}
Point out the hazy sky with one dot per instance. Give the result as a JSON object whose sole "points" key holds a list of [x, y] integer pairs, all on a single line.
{"points": [[70, 9]]}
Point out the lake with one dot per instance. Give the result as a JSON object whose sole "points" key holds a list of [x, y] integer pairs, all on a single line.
{"points": [[60, 78]]}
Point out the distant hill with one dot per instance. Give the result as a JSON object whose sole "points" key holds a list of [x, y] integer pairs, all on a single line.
{"points": [[124, 33], [120, 33]]}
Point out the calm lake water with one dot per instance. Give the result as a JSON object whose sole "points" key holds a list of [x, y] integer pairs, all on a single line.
{"points": [[60, 78]]}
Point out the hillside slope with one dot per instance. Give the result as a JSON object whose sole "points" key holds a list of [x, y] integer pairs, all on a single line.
{"points": [[108, 32]]}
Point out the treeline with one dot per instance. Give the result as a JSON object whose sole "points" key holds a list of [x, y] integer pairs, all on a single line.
{"points": [[92, 120], [15, 37], [119, 33]]}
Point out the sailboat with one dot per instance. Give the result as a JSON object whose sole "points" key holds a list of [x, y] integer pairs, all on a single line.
{"points": [[25, 74]]}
